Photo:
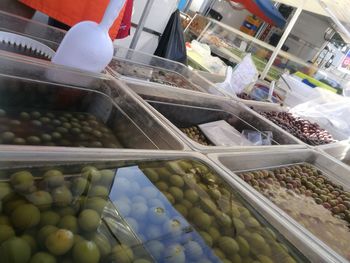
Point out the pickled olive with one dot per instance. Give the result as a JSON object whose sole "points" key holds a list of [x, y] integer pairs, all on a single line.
{"points": [[86, 252], [42, 257], [89, 220], [59, 242], [196, 134], [25, 216], [15, 250], [181, 212], [302, 190], [22, 181]]}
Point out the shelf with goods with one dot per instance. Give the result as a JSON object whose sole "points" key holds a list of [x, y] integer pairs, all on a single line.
{"points": [[236, 44]]}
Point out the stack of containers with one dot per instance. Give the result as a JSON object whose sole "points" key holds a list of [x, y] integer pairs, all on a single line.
{"points": [[96, 170]]}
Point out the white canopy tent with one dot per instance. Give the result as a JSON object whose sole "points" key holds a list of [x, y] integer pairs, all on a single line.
{"points": [[337, 10]]}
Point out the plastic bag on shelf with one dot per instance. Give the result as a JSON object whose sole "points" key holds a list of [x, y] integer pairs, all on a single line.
{"points": [[332, 115], [214, 64], [244, 75], [223, 134]]}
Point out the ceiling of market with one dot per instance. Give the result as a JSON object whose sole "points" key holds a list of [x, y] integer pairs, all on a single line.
{"points": [[337, 10], [337, 6]]}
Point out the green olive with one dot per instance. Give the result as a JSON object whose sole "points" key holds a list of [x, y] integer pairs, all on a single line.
{"points": [[46, 137], [15, 250], [44, 232], [35, 114], [176, 193], [4, 220], [22, 181], [60, 241], [191, 195], [107, 177], [86, 252], [202, 220], [228, 245], [31, 241], [102, 243], [25, 216], [42, 257], [19, 141], [244, 247], [56, 135], [6, 232], [176, 180], [97, 134], [80, 186], [89, 220], [122, 254], [99, 190], [7, 136], [24, 115], [41, 199], [53, 178], [45, 119], [162, 186], [61, 130], [91, 173], [96, 203], [49, 218], [62, 196], [36, 123], [69, 222], [33, 140]]}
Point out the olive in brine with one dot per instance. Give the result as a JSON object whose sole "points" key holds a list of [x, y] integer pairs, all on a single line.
{"points": [[25, 216], [22, 181], [7, 137], [86, 252], [15, 250], [53, 178], [43, 257], [59, 242]]}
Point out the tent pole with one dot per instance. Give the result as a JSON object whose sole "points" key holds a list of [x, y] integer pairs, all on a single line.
{"points": [[141, 24], [282, 40]]}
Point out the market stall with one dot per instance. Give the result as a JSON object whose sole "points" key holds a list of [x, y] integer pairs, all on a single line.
{"points": [[149, 161]]}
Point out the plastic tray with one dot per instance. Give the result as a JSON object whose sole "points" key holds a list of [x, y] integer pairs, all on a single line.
{"points": [[253, 161], [27, 87]]}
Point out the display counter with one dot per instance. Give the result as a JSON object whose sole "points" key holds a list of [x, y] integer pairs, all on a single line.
{"points": [[140, 207], [303, 186], [135, 66], [56, 107], [181, 112]]}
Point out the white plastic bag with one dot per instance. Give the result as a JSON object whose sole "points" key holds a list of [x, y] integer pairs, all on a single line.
{"points": [[244, 74], [332, 115], [223, 134], [214, 64]]}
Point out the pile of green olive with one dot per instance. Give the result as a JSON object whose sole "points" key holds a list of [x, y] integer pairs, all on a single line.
{"points": [[180, 210], [230, 230], [54, 129], [51, 217], [310, 197], [197, 135]]}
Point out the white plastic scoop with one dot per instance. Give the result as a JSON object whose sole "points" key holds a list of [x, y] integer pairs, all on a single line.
{"points": [[87, 45]]}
